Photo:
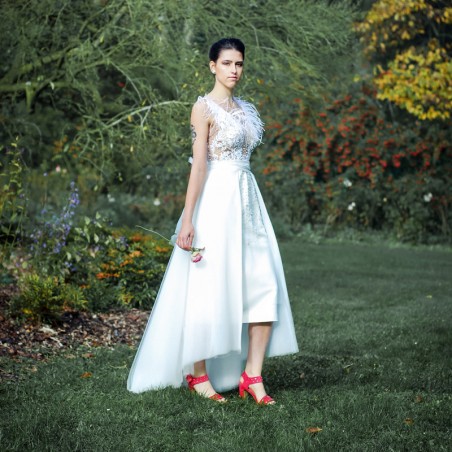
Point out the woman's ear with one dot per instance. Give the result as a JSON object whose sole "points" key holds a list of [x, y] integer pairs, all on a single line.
{"points": [[212, 67]]}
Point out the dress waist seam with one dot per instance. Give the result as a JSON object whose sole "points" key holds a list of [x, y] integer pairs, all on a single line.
{"points": [[229, 164]]}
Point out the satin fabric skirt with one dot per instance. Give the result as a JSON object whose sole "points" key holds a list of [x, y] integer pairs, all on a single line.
{"points": [[202, 309]]}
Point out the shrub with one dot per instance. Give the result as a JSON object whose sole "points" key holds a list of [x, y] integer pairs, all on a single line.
{"points": [[13, 196], [101, 295], [136, 270], [349, 166], [46, 298], [114, 268]]}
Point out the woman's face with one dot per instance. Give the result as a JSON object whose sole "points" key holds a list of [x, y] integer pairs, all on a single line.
{"points": [[228, 68]]}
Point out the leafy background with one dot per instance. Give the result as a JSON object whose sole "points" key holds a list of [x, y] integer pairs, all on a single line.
{"points": [[95, 101]]}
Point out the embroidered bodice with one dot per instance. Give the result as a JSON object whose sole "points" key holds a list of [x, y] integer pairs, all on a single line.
{"points": [[235, 130]]}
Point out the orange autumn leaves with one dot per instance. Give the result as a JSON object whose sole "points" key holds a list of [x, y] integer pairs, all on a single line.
{"points": [[408, 41], [113, 269], [130, 268]]}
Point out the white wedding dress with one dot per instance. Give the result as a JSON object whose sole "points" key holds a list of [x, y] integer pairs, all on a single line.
{"points": [[202, 309]]}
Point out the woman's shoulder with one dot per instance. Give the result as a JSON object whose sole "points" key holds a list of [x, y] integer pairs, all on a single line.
{"points": [[206, 107], [200, 107], [202, 103]]}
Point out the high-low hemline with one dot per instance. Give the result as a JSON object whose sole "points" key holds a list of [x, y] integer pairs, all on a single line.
{"points": [[185, 325]]}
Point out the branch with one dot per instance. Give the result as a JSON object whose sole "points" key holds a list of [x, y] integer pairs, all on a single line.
{"points": [[14, 73], [29, 67], [35, 86], [147, 109]]}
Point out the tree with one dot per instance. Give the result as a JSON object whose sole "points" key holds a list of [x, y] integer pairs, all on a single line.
{"points": [[100, 81], [410, 43]]}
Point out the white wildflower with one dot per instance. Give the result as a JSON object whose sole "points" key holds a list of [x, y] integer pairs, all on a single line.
{"points": [[347, 182], [428, 197], [351, 206], [157, 202]]}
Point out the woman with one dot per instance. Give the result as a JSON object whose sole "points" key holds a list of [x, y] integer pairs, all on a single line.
{"points": [[231, 306]]}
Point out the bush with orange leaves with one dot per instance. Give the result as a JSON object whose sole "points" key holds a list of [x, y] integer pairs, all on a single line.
{"points": [[349, 166], [128, 273]]}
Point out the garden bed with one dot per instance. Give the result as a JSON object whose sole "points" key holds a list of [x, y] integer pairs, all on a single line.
{"points": [[75, 330]]}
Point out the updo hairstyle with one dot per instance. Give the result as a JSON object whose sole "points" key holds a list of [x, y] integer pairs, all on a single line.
{"points": [[226, 44]]}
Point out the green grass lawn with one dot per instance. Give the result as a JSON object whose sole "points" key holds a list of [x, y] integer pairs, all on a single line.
{"points": [[373, 372]]}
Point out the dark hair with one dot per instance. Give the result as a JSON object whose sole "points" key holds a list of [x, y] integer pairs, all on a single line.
{"points": [[226, 44]]}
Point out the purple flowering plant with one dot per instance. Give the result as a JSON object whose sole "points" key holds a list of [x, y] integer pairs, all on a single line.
{"points": [[63, 244]]}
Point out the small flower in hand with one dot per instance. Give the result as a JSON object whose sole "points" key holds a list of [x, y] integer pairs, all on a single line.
{"points": [[196, 254]]}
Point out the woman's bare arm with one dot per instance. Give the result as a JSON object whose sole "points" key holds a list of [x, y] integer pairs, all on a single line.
{"points": [[200, 131]]}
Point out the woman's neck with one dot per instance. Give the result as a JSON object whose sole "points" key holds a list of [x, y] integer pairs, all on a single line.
{"points": [[221, 93]]}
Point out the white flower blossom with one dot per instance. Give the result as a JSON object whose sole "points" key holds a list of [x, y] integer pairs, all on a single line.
{"points": [[351, 206], [110, 198], [347, 182], [148, 176], [428, 197], [157, 202]]}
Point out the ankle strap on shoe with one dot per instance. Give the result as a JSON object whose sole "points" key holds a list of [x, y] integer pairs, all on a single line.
{"points": [[251, 380], [193, 381]]}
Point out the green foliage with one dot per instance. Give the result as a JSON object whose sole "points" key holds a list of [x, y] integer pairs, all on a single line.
{"points": [[112, 268], [101, 295], [100, 92], [349, 166], [134, 271], [109, 85], [45, 298], [13, 193]]}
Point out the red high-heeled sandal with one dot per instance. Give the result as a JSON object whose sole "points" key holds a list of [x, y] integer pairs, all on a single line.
{"points": [[244, 388], [193, 381]]}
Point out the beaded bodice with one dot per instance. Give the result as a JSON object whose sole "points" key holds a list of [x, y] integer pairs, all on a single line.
{"points": [[235, 129]]}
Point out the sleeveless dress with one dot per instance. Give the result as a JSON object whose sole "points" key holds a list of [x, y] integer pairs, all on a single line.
{"points": [[202, 309]]}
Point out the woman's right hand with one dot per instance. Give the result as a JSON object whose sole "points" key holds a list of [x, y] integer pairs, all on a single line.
{"points": [[185, 237]]}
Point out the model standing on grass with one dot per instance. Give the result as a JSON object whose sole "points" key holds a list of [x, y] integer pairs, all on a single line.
{"points": [[219, 317]]}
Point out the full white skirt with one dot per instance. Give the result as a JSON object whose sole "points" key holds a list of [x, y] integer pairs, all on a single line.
{"points": [[202, 309]]}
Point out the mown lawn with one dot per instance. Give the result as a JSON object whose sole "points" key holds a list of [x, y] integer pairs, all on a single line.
{"points": [[373, 372]]}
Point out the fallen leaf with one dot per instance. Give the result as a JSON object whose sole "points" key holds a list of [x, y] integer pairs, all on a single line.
{"points": [[302, 375], [313, 430], [408, 421], [86, 375], [48, 330], [88, 355], [419, 399]]}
